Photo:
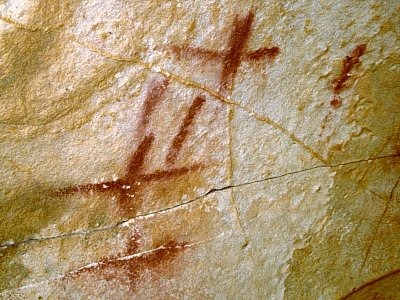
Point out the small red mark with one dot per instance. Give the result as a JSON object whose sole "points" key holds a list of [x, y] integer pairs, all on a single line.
{"points": [[233, 55], [348, 64], [336, 102], [179, 139], [262, 53]]}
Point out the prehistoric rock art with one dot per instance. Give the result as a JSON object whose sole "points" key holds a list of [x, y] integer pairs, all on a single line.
{"points": [[169, 149], [349, 63], [233, 55], [129, 266], [127, 188]]}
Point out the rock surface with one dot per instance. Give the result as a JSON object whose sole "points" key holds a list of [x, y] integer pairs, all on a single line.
{"points": [[199, 149]]}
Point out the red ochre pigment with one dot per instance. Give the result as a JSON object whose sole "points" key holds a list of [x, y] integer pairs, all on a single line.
{"points": [[233, 55], [348, 64]]}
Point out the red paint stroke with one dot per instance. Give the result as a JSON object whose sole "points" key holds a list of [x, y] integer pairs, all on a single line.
{"points": [[135, 164], [128, 188], [169, 173], [262, 53], [155, 93], [188, 52], [351, 60], [122, 188], [180, 137], [233, 55], [238, 39], [129, 268]]}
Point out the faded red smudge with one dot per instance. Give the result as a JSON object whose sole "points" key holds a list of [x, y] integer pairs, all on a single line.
{"points": [[180, 137], [348, 64], [233, 55], [130, 266], [155, 93]]}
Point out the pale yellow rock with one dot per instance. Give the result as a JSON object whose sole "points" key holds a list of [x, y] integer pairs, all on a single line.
{"points": [[199, 149]]}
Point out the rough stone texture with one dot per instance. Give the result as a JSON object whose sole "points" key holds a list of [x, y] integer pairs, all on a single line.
{"points": [[199, 149]]}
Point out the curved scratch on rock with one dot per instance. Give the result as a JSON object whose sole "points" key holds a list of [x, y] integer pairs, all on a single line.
{"points": [[22, 26], [370, 283], [132, 220], [101, 52], [250, 112], [17, 24], [17, 166], [379, 224]]}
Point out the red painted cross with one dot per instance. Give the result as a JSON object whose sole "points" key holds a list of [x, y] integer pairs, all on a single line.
{"points": [[232, 56]]}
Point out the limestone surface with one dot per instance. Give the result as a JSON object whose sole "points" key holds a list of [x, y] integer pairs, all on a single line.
{"points": [[210, 149]]}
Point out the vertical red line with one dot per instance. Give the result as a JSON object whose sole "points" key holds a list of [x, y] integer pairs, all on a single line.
{"points": [[237, 42]]}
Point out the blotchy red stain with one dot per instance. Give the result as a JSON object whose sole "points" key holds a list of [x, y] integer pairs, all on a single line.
{"points": [[129, 266], [180, 137], [348, 64], [336, 102], [233, 55]]}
